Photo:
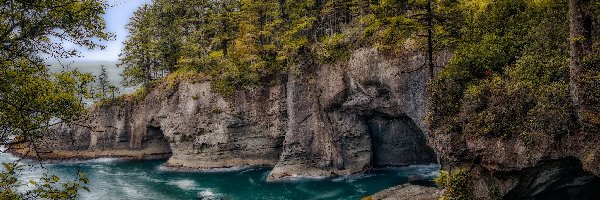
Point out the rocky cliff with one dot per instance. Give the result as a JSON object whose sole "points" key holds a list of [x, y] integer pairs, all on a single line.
{"points": [[346, 117], [327, 120], [546, 167], [318, 121], [185, 122]]}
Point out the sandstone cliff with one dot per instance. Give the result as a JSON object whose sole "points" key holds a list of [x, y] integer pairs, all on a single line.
{"points": [[318, 121]]}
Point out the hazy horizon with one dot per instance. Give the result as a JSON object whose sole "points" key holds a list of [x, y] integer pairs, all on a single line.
{"points": [[117, 16]]}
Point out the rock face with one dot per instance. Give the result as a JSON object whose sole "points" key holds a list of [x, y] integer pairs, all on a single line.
{"points": [[547, 167], [407, 192], [318, 121], [186, 123], [347, 117]]}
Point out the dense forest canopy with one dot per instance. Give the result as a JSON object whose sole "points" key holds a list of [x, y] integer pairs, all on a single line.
{"points": [[503, 50], [240, 43], [511, 73]]}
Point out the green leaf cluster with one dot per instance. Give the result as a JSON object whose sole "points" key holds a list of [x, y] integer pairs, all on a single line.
{"points": [[31, 98], [509, 72], [456, 185], [46, 187]]}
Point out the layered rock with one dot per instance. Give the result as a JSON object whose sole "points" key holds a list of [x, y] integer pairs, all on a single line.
{"points": [[347, 117], [544, 167], [319, 121], [186, 123]]}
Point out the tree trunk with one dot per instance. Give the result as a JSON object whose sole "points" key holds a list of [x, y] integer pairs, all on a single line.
{"points": [[580, 45], [430, 39]]}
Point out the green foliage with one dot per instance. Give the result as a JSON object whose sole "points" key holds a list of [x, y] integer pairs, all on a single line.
{"points": [[141, 93], [333, 48], [46, 187], [591, 96], [105, 89], [243, 44], [456, 185], [31, 98], [509, 73], [114, 101]]}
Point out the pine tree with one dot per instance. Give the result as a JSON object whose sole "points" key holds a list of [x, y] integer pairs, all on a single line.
{"points": [[223, 17], [299, 28], [103, 84], [143, 55], [257, 42]]}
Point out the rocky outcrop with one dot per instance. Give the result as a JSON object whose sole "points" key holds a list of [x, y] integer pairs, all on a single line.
{"points": [[318, 121], [186, 123], [347, 117], [543, 167], [407, 192]]}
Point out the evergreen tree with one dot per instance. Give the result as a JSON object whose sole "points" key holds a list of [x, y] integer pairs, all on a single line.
{"points": [[140, 56], [104, 88], [257, 43], [223, 17]]}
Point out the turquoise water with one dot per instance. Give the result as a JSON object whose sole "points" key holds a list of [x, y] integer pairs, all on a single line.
{"points": [[114, 179]]}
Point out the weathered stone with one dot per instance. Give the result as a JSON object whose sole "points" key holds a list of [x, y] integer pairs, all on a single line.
{"points": [[408, 192], [318, 121], [547, 167]]}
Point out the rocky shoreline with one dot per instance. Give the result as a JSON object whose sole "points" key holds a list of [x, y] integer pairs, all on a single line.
{"points": [[326, 121]]}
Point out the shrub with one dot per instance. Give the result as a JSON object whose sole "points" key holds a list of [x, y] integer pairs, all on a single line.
{"points": [[456, 185]]}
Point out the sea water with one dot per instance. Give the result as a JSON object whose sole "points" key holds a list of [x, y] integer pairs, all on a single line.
{"points": [[118, 179], [113, 179]]}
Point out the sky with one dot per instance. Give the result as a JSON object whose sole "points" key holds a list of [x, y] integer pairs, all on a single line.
{"points": [[116, 18]]}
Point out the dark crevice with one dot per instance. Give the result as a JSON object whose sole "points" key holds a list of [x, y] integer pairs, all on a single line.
{"points": [[397, 141], [156, 140], [558, 179]]}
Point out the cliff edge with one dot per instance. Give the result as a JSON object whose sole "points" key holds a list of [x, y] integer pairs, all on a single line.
{"points": [[318, 121]]}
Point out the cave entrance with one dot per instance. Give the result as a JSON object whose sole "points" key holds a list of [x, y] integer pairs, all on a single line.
{"points": [[155, 143], [398, 141], [559, 179]]}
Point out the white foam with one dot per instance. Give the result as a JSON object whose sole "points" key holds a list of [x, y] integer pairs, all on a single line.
{"points": [[432, 174], [129, 190], [102, 171], [207, 192], [184, 184], [352, 178], [96, 160], [300, 178], [103, 160], [213, 170], [248, 170], [90, 161], [328, 195]]}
